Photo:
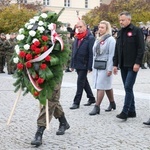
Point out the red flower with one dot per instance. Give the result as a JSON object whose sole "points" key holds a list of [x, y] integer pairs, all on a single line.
{"points": [[40, 80], [37, 50], [20, 66], [44, 38], [28, 57], [47, 58], [37, 43], [28, 65], [45, 48], [33, 47], [22, 54], [36, 93], [43, 66]]}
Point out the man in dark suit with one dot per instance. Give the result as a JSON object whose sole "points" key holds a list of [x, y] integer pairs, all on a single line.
{"points": [[128, 57], [82, 59]]}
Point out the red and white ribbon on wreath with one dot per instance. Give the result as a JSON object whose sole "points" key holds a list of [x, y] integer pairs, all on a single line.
{"points": [[54, 37]]}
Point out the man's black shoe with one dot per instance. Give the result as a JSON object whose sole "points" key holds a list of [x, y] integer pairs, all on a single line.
{"points": [[122, 115], [143, 67], [74, 106], [131, 114], [147, 123], [89, 103]]}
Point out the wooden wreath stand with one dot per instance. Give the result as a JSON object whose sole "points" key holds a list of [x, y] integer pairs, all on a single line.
{"points": [[14, 107]]}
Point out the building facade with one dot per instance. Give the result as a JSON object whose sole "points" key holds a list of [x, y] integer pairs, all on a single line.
{"points": [[73, 8]]}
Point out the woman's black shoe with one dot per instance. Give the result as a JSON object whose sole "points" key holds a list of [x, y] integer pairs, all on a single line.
{"points": [[111, 106], [147, 123], [96, 110], [122, 115]]}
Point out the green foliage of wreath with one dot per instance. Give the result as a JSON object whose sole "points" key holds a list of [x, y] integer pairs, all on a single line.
{"points": [[47, 72]]}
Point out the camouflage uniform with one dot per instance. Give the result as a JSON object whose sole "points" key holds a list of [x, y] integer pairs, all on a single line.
{"points": [[54, 108], [70, 42], [9, 46], [147, 49], [2, 53]]}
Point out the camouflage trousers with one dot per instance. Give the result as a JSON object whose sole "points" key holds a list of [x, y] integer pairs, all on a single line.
{"points": [[146, 58], [55, 108], [11, 66], [2, 62]]}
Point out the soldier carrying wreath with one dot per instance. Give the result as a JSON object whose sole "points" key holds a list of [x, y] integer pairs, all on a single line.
{"points": [[40, 57]]}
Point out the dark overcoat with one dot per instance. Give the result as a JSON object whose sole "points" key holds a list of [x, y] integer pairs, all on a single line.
{"points": [[82, 55], [129, 48]]}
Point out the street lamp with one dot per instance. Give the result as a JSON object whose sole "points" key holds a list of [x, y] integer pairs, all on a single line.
{"points": [[77, 11]]}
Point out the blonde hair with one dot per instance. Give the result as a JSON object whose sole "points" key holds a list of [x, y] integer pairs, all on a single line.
{"points": [[108, 27]]}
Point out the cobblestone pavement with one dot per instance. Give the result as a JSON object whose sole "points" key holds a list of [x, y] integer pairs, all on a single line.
{"points": [[100, 132]]}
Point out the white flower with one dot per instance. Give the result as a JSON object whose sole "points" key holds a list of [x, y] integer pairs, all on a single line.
{"points": [[34, 40], [20, 37], [51, 26], [30, 27], [16, 60], [40, 23], [21, 30], [44, 15], [17, 51], [32, 33], [26, 25], [16, 47], [32, 21], [36, 18], [41, 29], [26, 46]]}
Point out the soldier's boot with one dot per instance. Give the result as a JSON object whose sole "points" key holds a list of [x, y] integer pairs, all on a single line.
{"points": [[143, 67], [63, 125], [38, 136]]}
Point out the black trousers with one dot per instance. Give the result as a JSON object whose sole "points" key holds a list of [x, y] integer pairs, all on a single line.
{"points": [[83, 84]]}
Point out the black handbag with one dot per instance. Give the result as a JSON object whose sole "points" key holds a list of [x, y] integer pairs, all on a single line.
{"points": [[100, 64]]}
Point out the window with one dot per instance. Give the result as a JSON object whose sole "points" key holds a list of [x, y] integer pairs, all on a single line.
{"points": [[67, 3], [86, 3], [100, 2], [45, 2], [21, 1]]}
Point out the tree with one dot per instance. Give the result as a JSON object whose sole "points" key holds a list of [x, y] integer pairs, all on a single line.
{"points": [[4, 3], [12, 18], [139, 10]]}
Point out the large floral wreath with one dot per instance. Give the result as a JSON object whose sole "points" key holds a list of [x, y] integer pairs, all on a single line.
{"points": [[40, 55]]}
